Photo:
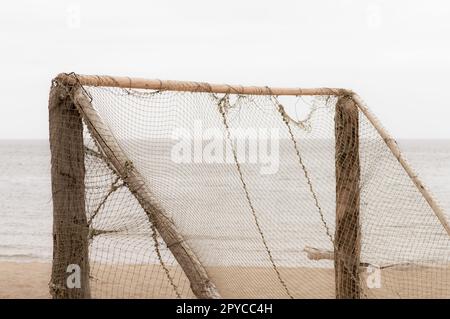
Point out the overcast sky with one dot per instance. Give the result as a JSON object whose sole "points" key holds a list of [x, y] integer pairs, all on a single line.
{"points": [[395, 54]]}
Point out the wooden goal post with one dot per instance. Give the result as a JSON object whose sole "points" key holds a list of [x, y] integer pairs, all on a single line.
{"points": [[69, 107]]}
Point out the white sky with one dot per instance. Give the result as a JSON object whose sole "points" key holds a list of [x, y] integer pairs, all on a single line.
{"points": [[395, 54]]}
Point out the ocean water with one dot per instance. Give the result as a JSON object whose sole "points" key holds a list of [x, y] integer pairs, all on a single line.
{"points": [[25, 192], [25, 201]]}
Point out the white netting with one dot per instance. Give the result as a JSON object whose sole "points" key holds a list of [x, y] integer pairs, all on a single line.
{"points": [[255, 200]]}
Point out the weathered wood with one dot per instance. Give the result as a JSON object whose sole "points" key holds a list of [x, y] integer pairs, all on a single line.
{"points": [[318, 254], [70, 230], [201, 285], [347, 235], [189, 86]]}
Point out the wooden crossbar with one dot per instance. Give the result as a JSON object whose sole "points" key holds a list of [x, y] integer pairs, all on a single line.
{"points": [[185, 86]]}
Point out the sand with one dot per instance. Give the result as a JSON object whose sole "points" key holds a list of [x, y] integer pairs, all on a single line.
{"points": [[24, 280], [30, 280]]}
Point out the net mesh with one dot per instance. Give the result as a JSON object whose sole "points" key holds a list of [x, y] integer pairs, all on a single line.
{"points": [[249, 182]]}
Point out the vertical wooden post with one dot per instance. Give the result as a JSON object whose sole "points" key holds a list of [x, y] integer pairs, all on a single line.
{"points": [[347, 237], [70, 268]]}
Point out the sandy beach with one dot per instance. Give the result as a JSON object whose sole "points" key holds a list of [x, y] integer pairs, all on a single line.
{"points": [[30, 280], [24, 280]]}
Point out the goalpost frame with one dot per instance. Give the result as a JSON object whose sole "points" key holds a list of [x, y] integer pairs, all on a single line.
{"points": [[83, 104], [189, 86], [70, 231]]}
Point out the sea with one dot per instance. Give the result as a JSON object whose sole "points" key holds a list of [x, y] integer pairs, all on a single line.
{"points": [[26, 202]]}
